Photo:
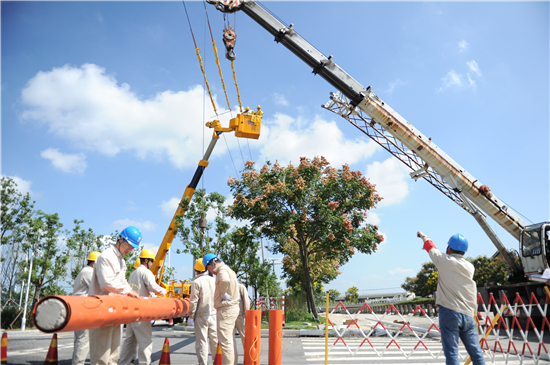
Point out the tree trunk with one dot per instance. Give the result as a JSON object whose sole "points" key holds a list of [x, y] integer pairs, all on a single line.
{"points": [[307, 278]]}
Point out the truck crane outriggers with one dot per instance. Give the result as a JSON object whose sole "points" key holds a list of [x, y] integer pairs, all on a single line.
{"points": [[372, 116]]}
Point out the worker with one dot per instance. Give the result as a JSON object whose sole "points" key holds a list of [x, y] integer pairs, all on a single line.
{"points": [[81, 346], [139, 334], [456, 298], [226, 301], [203, 314], [244, 305], [109, 278]]}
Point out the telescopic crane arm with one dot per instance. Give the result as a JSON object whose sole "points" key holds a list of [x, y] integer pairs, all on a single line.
{"points": [[245, 125], [360, 105]]}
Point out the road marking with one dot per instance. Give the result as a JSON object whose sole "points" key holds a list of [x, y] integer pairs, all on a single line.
{"points": [[37, 350]]}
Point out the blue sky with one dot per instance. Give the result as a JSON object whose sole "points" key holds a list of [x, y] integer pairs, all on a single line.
{"points": [[103, 109]]}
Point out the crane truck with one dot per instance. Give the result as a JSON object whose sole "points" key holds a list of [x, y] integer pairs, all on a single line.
{"points": [[372, 116], [245, 125]]}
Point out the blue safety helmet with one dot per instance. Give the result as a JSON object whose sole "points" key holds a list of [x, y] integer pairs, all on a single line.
{"points": [[458, 243], [207, 258], [132, 235]]}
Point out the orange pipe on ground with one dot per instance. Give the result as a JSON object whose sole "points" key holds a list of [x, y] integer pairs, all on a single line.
{"points": [[275, 337], [252, 337], [65, 313]]}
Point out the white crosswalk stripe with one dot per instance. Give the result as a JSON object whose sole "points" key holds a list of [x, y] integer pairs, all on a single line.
{"points": [[386, 352]]}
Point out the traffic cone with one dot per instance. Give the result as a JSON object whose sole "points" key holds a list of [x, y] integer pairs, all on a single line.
{"points": [[4, 348], [165, 356], [218, 358], [51, 358]]}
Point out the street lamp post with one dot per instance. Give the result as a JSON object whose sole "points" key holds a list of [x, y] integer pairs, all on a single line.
{"points": [[24, 320]]}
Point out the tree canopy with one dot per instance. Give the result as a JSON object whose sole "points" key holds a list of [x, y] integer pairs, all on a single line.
{"points": [[309, 210]]}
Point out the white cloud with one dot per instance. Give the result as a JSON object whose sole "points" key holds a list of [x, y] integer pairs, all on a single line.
{"points": [[70, 163], [170, 206], [141, 225], [302, 138], [452, 79], [401, 271], [390, 178], [474, 67], [280, 99], [373, 218], [463, 46], [394, 84], [89, 108], [24, 186], [471, 82]]}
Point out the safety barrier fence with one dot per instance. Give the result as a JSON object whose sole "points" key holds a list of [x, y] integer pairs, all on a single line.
{"points": [[507, 331]]}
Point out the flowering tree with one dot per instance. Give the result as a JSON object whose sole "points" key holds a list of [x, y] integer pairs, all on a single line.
{"points": [[314, 207]]}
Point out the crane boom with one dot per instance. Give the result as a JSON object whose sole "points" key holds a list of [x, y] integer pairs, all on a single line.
{"points": [[422, 155]]}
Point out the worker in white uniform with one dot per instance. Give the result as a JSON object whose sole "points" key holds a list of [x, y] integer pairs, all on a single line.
{"points": [[109, 278], [456, 298], [81, 287], [203, 313], [226, 301], [139, 334], [244, 305]]}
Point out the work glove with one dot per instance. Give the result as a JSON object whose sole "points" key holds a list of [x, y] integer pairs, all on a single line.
{"points": [[226, 296]]}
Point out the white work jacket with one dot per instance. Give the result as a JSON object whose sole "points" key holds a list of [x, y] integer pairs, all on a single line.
{"points": [[226, 282], [82, 281], [109, 276], [456, 289], [143, 282], [201, 297]]}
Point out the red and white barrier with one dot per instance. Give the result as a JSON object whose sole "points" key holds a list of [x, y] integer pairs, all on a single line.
{"points": [[513, 345]]}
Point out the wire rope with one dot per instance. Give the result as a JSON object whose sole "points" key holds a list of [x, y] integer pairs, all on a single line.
{"points": [[197, 49]]}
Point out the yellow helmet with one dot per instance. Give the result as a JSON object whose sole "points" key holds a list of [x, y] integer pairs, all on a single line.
{"points": [[199, 266], [93, 255], [147, 254], [137, 263]]}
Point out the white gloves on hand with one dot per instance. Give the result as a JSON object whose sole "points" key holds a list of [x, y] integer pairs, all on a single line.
{"points": [[226, 296]]}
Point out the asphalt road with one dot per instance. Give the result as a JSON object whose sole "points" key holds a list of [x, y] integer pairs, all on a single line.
{"points": [[31, 347]]}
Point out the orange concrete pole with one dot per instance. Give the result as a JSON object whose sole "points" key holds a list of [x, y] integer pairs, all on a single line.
{"points": [[65, 313], [275, 337], [253, 337]]}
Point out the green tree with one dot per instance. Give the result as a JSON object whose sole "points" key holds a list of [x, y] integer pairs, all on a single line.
{"points": [[16, 210], [195, 240], [489, 271], [50, 264], [421, 285], [80, 243], [333, 294], [322, 209], [352, 295]]}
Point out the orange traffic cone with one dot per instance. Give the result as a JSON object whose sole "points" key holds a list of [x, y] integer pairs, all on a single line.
{"points": [[165, 355], [218, 358], [51, 358], [4, 348]]}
